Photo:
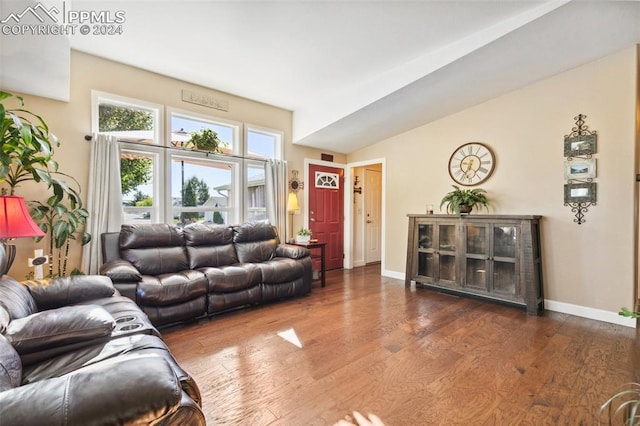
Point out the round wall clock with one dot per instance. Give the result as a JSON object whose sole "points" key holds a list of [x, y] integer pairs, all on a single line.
{"points": [[471, 164]]}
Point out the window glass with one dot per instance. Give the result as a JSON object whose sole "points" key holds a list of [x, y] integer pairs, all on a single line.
{"points": [[127, 123], [262, 144], [200, 134], [137, 172], [256, 204], [201, 190]]}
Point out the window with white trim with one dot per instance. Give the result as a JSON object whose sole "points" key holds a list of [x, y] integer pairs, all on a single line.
{"points": [[200, 169]]}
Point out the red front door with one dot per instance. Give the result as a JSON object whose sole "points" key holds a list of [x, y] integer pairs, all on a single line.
{"points": [[326, 211]]}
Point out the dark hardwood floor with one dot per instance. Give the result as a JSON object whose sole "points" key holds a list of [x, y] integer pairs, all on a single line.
{"points": [[411, 356]]}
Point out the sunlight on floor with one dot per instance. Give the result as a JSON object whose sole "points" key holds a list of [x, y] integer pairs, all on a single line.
{"points": [[291, 337]]}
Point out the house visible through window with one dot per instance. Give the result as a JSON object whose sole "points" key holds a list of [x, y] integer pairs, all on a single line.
{"points": [[201, 169]]}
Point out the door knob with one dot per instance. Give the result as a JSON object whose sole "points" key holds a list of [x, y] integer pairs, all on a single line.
{"points": [[312, 219], [369, 221]]}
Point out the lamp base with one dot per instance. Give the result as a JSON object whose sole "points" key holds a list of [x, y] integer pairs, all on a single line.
{"points": [[9, 256]]}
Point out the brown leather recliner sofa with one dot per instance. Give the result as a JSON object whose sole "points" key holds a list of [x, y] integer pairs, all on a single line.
{"points": [[203, 269], [74, 352]]}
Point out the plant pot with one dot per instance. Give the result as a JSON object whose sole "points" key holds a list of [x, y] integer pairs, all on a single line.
{"points": [[303, 239], [464, 209]]}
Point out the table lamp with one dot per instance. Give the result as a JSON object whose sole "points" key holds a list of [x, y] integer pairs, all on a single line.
{"points": [[292, 207], [15, 222]]}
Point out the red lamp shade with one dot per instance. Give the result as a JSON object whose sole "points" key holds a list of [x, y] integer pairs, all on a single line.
{"points": [[15, 221]]}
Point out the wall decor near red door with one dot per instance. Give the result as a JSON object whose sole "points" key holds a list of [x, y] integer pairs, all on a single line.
{"points": [[326, 211]]}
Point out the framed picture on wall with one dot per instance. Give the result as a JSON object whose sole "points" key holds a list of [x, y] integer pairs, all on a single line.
{"points": [[580, 192], [580, 168], [579, 145]]}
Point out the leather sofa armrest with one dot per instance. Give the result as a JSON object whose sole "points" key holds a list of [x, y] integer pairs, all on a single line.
{"points": [[121, 271], [58, 292], [291, 251], [131, 389]]}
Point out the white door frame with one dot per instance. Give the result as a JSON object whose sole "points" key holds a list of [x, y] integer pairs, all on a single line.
{"points": [[348, 211], [348, 204]]}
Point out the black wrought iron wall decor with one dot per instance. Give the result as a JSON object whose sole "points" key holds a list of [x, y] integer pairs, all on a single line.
{"points": [[580, 169]]}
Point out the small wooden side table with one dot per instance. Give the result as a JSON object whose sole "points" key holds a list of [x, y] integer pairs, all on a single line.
{"points": [[321, 256]]}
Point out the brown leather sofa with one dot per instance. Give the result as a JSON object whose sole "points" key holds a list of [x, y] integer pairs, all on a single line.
{"points": [[204, 269], [74, 352]]}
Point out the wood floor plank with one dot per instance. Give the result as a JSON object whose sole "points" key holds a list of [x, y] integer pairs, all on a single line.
{"points": [[412, 356]]}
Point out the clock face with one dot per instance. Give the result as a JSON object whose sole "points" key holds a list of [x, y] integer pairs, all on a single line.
{"points": [[471, 164]]}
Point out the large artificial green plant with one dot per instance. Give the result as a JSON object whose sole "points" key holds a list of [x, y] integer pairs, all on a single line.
{"points": [[26, 154], [458, 198]]}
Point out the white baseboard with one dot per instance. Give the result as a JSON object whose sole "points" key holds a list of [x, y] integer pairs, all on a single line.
{"points": [[564, 308], [393, 274], [591, 313], [357, 263]]}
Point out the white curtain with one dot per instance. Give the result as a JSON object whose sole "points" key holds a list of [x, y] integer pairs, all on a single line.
{"points": [[275, 172], [104, 198]]}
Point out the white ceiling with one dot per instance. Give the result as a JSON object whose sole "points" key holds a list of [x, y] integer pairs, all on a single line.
{"points": [[356, 72]]}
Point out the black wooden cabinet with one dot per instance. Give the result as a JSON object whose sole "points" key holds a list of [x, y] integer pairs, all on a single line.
{"points": [[494, 257]]}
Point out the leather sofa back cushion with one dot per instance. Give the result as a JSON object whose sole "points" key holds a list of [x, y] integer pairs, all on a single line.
{"points": [[209, 245], [254, 231], [257, 251], [255, 242], [213, 256], [10, 366], [154, 249], [64, 291], [157, 261], [150, 235], [200, 234], [16, 299], [56, 327]]}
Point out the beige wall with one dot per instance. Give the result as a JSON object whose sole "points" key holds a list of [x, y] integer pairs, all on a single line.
{"points": [[589, 265], [70, 121]]}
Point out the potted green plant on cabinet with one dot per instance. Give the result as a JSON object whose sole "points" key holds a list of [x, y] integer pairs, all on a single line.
{"points": [[461, 201], [26, 154]]}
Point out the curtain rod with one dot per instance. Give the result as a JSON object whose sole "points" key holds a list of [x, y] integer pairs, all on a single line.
{"points": [[89, 138]]}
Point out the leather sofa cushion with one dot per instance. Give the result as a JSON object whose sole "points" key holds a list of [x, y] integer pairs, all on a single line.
{"points": [[49, 294], [157, 261], [10, 366], [201, 234], [228, 279], [154, 249], [209, 245], [61, 326], [254, 231], [202, 256], [149, 235], [168, 289], [256, 251], [281, 270], [16, 299]]}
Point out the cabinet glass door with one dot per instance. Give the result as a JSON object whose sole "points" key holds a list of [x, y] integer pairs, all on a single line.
{"points": [[447, 252], [505, 240], [426, 252], [477, 244]]}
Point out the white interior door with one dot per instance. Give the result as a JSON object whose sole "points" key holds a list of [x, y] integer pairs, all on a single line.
{"points": [[373, 210]]}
